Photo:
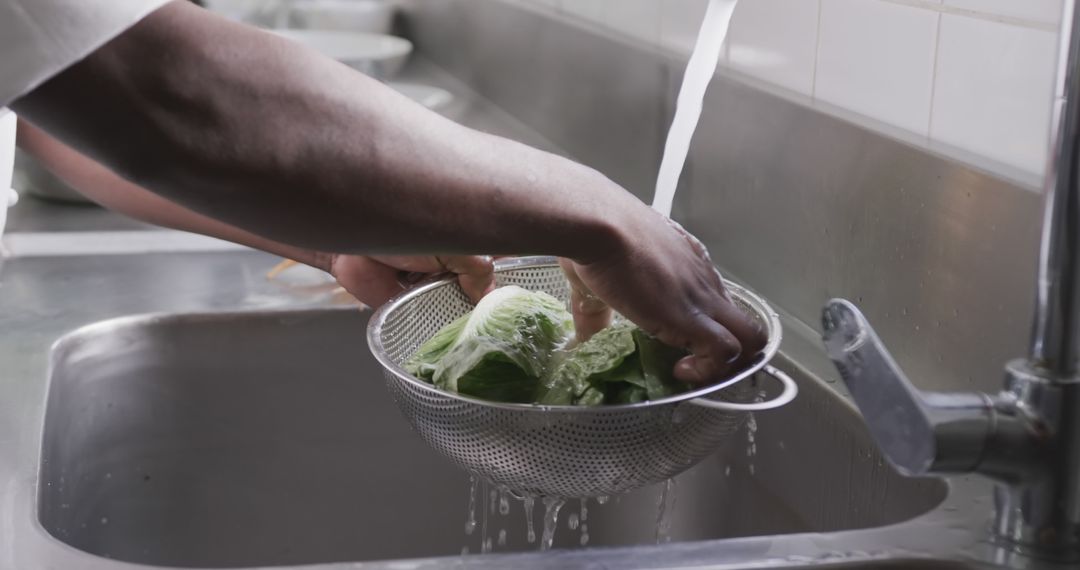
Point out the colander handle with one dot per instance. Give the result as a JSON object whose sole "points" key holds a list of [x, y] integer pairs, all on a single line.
{"points": [[786, 396]]}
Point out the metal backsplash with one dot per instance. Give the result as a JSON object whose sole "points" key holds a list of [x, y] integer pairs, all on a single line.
{"points": [[794, 201]]}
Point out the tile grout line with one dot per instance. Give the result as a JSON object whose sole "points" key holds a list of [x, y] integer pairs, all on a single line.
{"points": [[934, 75], [817, 51], [977, 15]]}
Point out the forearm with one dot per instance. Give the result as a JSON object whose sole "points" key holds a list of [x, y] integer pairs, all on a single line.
{"points": [[111, 191], [247, 128]]}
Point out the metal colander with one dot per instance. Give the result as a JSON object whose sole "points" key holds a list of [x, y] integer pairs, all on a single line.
{"points": [[563, 451]]}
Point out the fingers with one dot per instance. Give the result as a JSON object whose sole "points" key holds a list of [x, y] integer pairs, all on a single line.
{"points": [[591, 314], [749, 331], [476, 273], [715, 351], [371, 282]]}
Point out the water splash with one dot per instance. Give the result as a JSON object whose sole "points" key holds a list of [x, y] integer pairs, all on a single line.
{"points": [[603, 499], [470, 522], [665, 505], [530, 531], [582, 521], [699, 72], [552, 505], [485, 539], [751, 434], [573, 521], [504, 503]]}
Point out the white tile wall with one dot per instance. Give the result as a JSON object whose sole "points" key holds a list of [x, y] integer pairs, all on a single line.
{"points": [[993, 90], [776, 40], [877, 59], [974, 74]]}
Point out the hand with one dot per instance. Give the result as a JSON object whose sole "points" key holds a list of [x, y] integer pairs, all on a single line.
{"points": [[663, 280], [374, 280]]}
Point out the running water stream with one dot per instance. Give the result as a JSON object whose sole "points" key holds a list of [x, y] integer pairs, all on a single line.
{"points": [[699, 73]]}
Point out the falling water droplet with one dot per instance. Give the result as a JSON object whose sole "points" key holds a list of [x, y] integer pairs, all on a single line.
{"points": [[572, 521], [603, 499], [504, 504], [584, 510], [485, 538], [584, 535], [502, 537], [551, 520], [530, 532], [470, 522], [665, 505]]}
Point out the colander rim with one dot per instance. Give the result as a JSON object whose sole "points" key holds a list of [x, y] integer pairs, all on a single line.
{"points": [[374, 337]]}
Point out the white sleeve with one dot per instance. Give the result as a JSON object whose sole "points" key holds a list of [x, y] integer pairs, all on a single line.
{"points": [[40, 38]]}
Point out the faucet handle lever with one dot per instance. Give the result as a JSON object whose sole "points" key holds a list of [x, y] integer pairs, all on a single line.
{"points": [[919, 433]]}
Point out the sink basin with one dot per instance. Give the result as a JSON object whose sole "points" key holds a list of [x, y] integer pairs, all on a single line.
{"points": [[268, 438]]}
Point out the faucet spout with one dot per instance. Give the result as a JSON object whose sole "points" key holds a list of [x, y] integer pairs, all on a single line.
{"points": [[1016, 437], [1027, 438], [924, 433]]}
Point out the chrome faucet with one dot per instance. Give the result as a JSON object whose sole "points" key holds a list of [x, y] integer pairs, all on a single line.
{"points": [[1027, 437]]}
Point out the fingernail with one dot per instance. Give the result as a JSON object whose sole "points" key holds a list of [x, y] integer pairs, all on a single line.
{"points": [[689, 372]]}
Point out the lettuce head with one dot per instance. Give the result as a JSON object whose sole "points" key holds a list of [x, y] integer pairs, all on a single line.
{"points": [[500, 350]]}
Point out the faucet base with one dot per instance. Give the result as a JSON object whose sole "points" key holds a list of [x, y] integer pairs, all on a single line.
{"points": [[1038, 498]]}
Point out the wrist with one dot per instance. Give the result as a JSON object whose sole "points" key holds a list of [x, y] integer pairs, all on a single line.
{"points": [[611, 228], [323, 261]]}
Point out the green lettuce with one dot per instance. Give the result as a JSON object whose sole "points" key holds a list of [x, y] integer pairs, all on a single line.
{"points": [[500, 350], [512, 348], [619, 365]]}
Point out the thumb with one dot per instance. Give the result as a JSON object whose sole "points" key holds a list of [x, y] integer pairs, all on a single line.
{"points": [[591, 313]]}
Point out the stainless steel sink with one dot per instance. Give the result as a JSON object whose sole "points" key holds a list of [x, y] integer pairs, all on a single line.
{"points": [[268, 438]]}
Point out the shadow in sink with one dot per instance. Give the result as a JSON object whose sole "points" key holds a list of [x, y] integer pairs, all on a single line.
{"points": [[261, 439]]}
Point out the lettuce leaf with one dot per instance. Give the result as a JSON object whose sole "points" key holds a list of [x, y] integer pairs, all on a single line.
{"points": [[594, 361], [500, 350], [510, 349], [658, 365]]}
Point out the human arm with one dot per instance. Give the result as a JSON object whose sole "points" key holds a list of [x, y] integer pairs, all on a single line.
{"points": [[247, 128], [371, 279]]}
